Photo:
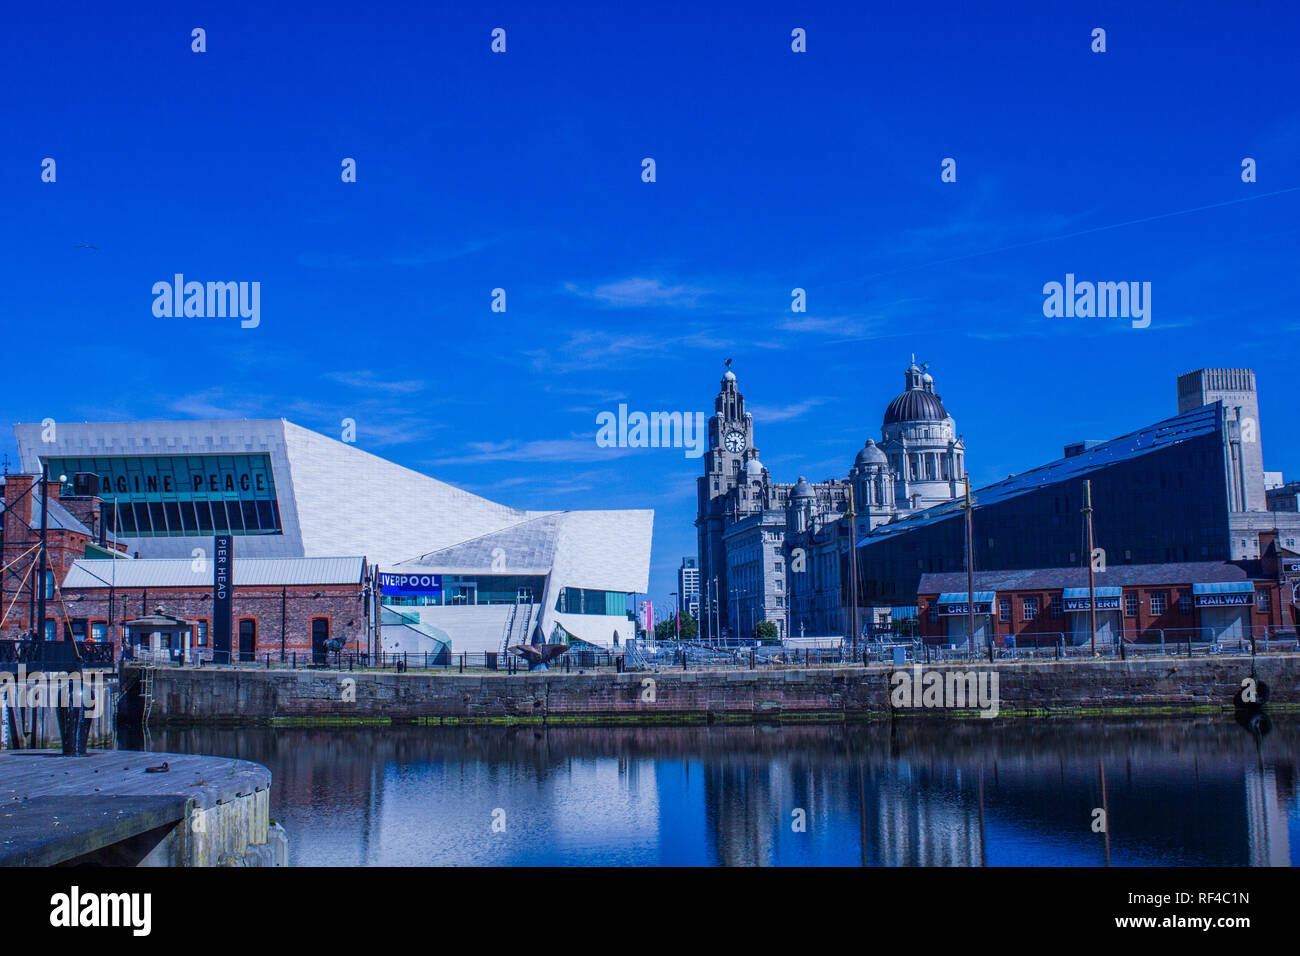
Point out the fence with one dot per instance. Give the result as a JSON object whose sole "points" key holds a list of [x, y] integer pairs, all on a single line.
{"points": [[63, 655], [673, 655]]}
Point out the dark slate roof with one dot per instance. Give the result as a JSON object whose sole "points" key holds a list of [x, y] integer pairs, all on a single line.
{"points": [[57, 516], [915, 405], [1171, 431], [1119, 575]]}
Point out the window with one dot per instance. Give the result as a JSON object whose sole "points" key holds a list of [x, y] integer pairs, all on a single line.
{"points": [[1184, 603], [1058, 608], [1004, 610], [99, 631], [1159, 602], [1263, 602], [1031, 608], [247, 640], [201, 627], [1130, 605]]}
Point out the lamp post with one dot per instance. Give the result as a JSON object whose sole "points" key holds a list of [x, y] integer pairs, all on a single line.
{"points": [[1092, 591]]}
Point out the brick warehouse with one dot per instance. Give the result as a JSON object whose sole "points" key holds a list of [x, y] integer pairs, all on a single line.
{"points": [[284, 608], [75, 531], [1193, 601]]}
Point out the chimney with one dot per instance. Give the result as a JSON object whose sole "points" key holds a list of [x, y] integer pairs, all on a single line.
{"points": [[16, 487]]}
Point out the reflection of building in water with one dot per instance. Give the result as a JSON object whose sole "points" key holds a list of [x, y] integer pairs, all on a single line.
{"points": [[739, 804], [1266, 820], [750, 809], [921, 822]]}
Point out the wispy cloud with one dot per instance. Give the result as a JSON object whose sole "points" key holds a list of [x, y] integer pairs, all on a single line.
{"points": [[785, 413], [213, 403], [367, 380], [565, 450], [334, 261], [637, 291]]}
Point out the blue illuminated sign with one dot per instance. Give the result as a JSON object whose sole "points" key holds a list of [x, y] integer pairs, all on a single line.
{"points": [[410, 583]]}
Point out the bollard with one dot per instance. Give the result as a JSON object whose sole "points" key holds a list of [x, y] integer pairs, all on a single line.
{"points": [[462, 662], [268, 661], [295, 660]]}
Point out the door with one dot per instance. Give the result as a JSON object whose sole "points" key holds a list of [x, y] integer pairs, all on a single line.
{"points": [[247, 640], [320, 633]]}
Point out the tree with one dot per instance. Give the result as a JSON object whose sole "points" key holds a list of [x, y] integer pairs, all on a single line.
{"points": [[766, 630], [666, 630]]}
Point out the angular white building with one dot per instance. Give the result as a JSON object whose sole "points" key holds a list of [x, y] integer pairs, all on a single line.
{"points": [[457, 569]]}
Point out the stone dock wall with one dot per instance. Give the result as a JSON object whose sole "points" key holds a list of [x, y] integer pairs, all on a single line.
{"points": [[234, 695]]}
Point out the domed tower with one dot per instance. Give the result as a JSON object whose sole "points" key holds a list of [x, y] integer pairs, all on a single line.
{"points": [[926, 455], [801, 507], [873, 485], [753, 485]]}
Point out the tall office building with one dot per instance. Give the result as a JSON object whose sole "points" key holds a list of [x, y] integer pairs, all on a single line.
{"points": [[688, 588]]}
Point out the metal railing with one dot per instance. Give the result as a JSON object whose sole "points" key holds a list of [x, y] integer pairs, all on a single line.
{"points": [[63, 655]]}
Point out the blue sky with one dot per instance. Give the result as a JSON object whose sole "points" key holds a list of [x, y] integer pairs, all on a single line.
{"points": [[522, 171]]}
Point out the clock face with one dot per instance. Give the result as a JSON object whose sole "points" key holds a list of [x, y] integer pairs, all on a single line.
{"points": [[735, 441]]}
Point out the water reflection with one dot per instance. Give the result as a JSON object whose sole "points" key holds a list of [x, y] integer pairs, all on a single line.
{"points": [[1188, 791]]}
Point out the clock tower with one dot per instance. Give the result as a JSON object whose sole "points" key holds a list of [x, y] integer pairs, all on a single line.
{"points": [[731, 447]]}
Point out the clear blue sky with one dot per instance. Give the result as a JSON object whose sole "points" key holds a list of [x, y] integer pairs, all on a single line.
{"points": [[522, 171]]}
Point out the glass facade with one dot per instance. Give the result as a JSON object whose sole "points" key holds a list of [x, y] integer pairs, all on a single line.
{"points": [[182, 496], [460, 589], [588, 601]]}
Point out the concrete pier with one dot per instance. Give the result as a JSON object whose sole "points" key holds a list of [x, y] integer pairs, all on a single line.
{"points": [[108, 808], [1041, 688]]}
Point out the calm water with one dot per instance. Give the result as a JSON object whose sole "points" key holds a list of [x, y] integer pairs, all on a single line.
{"points": [[972, 793]]}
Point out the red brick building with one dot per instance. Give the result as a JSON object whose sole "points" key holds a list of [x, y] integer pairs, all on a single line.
{"points": [[1146, 603], [284, 608], [74, 531]]}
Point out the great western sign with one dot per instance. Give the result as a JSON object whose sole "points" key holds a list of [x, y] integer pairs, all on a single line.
{"points": [[391, 583], [1081, 604], [981, 607]]}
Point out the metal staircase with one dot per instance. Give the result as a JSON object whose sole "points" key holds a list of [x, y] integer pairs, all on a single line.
{"points": [[517, 624]]}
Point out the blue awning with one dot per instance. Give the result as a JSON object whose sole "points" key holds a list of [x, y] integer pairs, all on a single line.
{"points": [[1083, 592], [1225, 587], [959, 597]]}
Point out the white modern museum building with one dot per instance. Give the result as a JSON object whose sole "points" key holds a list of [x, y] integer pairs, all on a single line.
{"points": [[455, 570]]}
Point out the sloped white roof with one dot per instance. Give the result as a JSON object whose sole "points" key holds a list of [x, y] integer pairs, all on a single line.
{"points": [[175, 573]]}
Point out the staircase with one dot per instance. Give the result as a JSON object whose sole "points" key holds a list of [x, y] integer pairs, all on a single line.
{"points": [[516, 630]]}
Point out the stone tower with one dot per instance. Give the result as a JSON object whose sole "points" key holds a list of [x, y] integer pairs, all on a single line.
{"points": [[731, 449], [1243, 455]]}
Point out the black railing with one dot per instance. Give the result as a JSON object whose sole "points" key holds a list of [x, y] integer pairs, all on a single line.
{"points": [[55, 655]]}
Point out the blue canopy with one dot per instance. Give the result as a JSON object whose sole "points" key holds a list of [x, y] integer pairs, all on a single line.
{"points": [[1083, 592], [1225, 587], [960, 597]]}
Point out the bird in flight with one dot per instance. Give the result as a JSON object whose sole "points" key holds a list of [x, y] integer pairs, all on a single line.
{"points": [[86, 246]]}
